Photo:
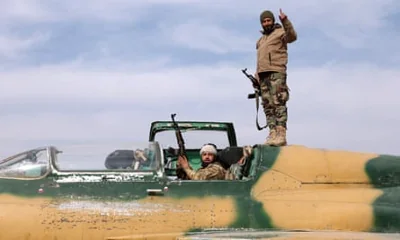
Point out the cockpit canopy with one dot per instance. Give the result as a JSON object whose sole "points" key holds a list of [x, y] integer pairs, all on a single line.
{"points": [[140, 156], [36, 163], [29, 164]]}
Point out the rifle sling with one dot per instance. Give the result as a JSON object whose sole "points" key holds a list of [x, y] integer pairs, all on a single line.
{"points": [[257, 107]]}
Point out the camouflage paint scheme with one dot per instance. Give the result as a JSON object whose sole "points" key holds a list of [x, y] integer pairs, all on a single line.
{"points": [[286, 189]]}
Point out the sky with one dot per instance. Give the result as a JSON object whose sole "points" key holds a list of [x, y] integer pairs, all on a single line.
{"points": [[103, 70]]}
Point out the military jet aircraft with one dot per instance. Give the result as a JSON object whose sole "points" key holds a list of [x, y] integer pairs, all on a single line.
{"points": [[291, 192]]}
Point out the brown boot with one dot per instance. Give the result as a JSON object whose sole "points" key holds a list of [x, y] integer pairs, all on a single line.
{"points": [[280, 139], [271, 137]]}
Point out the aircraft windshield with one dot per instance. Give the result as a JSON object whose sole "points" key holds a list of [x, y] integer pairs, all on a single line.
{"points": [[30, 164], [109, 157]]}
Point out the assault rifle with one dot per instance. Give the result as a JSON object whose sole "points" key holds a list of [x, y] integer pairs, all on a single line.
{"points": [[255, 83], [181, 143], [256, 95], [179, 138]]}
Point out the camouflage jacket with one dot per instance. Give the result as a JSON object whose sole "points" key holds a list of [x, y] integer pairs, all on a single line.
{"points": [[214, 171], [272, 48]]}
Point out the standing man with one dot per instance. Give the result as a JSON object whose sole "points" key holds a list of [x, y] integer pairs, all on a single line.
{"points": [[272, 59]]}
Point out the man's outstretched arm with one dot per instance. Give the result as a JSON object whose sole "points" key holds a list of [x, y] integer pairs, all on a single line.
{"points": [[290, 33]]}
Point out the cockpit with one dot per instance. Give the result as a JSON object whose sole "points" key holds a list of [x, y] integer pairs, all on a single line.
{"points": [[140, 159]]}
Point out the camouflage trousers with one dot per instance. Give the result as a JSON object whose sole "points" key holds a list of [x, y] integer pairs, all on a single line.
{"points": [[274, 95]]}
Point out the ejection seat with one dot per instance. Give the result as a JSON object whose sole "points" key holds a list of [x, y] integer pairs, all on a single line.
{"points": [[229, 158], [127, 159]]}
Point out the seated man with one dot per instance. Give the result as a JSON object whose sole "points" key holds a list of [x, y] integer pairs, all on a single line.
{"points": [[210, 169]]}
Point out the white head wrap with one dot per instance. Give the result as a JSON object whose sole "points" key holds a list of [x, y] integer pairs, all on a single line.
{"points": [[208, 148]]}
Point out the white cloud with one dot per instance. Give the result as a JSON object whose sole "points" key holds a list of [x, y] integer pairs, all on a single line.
{"points": [[45, 11], [205, 36], [132, 85], [23, 10], [341, 21], [343, 12], [90, 10], [15, 46]]}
